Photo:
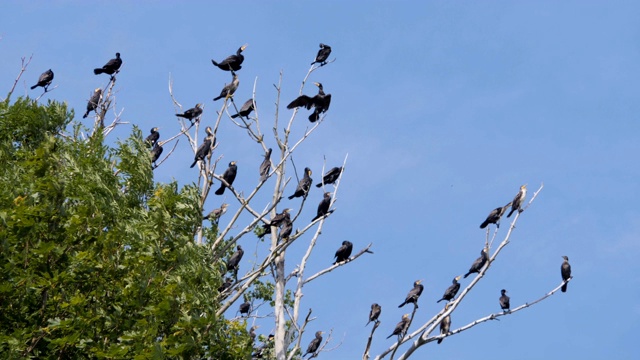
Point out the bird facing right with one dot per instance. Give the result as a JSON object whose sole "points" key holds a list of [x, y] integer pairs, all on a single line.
{"points": [[518, 200], [374, 313], [414, 294], [565, 271], [314, 344]]}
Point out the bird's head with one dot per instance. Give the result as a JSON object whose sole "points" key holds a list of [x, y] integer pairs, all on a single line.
{"points": [[199, 105], [118, 55], [319, 85], [307, 171], [239, 247], [233, 163], [243, 47], [224, 206], [566, 258], [417, 282], [208, 130], [97, 90], [405, 317], [155, 129], [503, 291], [523, 187], [457, 278]]}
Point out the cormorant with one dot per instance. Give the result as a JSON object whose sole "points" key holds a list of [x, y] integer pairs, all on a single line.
{"points": [[374, 313], [111, 67], [452, 290], [277, 220], [205, 148], [323, 207], [319, 102], [192, 113], [343, 252], [226, 285], [445, 324], [234, 260], [323, 54], [92, 105], [565, 270], [479, 263], [228, 177], [246, 109], [155, 153], [229, 89], [303, 186], [494, 216], [215, 214], [245, 308], [287, 228], [314, 344], [265, 167], [153, 137], [504, 300], [401, 326], [252, 332], [44, 80], [517, 202], [331, 176], [232, 62], [261, 351], [414, 294]]}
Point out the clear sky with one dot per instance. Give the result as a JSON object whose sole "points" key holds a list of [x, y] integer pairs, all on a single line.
{"points": [[444, 110]]}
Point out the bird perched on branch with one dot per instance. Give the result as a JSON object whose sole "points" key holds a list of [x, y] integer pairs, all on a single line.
{"points": [[343, 252], [479, 263], [565, 271], [232, 62], [245, 308], [285, 231], [494, 216], [246, 109], [323, 207], [374, 313], [277, 220], [303, 185], [445, 324], [205, 147], [331, 176], [414, 294], [111, 67], [319, 102], [44, 80], [452, 290], [92, 105], [192, 113], [401, 327], [226, 285], [314, 344], [504, 300], [517, 202], [229, 89], [155, 153], [234, 260], [228, 176], [323, 54], [265, 167], [215, 214], [153, 137]]}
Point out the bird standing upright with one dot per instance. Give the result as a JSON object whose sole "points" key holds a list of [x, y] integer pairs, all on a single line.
{"points": [[323, 207], [343, 253], [414, 294], [153, 137], [245, 308], [228, 177], [229, 89], [565, 271], [287, 228], [445, 324], [314, 344], [231, 62], [330, 176], [479, 263], [192, 113], [303, 185], [452, 290], [494, 216], [234, 260], [322, 55], [205, 148], [111, 67], [504, 300], [44, 80], [215, 214], [155, 153], [92, 105], [265, 167], [374, 313], [401, 327], [518, 200]]}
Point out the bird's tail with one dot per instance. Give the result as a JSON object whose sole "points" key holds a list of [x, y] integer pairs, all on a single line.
{"points": [[484, 224], [194, 163], [291, 197], [235, 116], [85, 115], [98, 71], [403, 304], [34, 86], [181, 115], [564, 287], [511, 212], [319, 185], [439, 341], [439, 300], [467, 274], [389, 336], [217, 98], [214, 62], [220, 191]]}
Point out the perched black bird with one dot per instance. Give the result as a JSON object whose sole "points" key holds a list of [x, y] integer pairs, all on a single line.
{"points": [[245, 307], [228, 176], [287, 228], [226, 285], [323, 54], [205, 148], [215, 214], [452, 290], [504, 300], [319, 102], [303, 185], [277, 220], [234, 260], [155, 153], [93, 102], [229, 89], [246, 109], [232, 62], [252, 333], [330, 177], [265, 167], [414, 294], [153, 137], [494, 216], [445, 324], [517, 202], [44, 80], [374, 313], [565, 270], [479, 263], [192, 113], [314, 344], [401, 326], [323, 207], [262, 350], [343, 252], [111, 67]]}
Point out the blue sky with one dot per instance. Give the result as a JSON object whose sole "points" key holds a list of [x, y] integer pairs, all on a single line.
{"points": [[444, 110]]}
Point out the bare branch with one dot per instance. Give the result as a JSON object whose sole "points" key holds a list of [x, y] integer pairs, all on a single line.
{"points": [[23, 68]]}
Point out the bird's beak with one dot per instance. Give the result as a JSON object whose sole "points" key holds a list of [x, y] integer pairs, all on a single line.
{"points": [[244, 46]]}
